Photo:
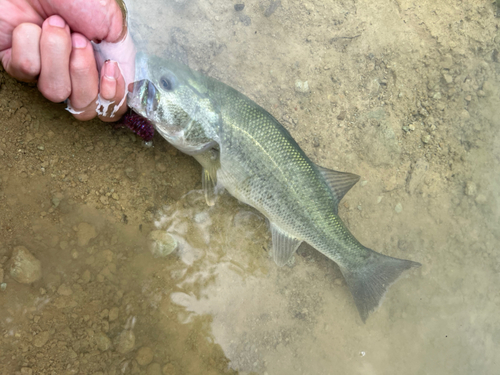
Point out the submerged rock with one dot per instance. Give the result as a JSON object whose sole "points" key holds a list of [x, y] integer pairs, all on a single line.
{"points": [[162, 243], [24, 267]]}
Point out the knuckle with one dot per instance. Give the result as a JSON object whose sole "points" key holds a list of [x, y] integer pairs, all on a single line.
{"points": [[28, 67], [56, 95]]}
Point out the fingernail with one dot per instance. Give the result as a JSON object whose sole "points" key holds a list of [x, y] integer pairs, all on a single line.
{"points": [[111, 70], [79, 41], [56, 21]]}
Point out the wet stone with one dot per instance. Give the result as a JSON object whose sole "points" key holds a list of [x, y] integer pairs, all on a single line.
{"points": [[102, 341], [144, 356], [41, 339], [125, 342], [113, 314], [470, 188], [64, 290], [24, 267], [162, 243], [245, 20], [302, 86], [85, 276], [131, 173]]}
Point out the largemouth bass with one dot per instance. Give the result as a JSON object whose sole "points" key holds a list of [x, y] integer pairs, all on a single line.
{"points": [[247, 151]]}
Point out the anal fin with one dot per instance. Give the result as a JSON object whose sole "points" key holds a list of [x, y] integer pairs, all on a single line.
{"points": [[284, 245]]}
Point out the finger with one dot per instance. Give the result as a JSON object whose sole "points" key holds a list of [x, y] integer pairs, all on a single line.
{"points": [[84, 78], [112, 90], [24, 63], [55, 48], [96, 19]]}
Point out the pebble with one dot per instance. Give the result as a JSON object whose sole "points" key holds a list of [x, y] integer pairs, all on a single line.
{"points": [[301, 86], [85, 233], [113, 314], [125, 341], [447, 62], [426, 138], [144, 356], [239, 7], [64, 290], [162, 243], [85, 276], [341, 116], [201, 217], [470, 188], [448, 78], [41, 339], [398, 208], [160, 167], [102, 341], [24, 267], [131, 173]]}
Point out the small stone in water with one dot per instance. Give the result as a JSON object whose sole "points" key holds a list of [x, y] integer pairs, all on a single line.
{"points": [[302, 87], [125, 342], [24, 267], [470, 188], [163, 243]]}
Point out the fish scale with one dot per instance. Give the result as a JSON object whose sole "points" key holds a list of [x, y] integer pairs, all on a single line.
{"points": [[244, 148]]}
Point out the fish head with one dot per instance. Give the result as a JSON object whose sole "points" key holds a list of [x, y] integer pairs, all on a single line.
{"points": [[175, 100]]}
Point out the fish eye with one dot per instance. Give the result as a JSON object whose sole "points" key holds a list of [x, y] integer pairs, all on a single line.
{"points": [[167, 82]]}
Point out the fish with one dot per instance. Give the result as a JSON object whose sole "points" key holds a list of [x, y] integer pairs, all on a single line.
{"points": [[242, 148]]}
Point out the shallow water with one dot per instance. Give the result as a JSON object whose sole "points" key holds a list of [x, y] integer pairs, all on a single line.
{"points": [[404, 95]]}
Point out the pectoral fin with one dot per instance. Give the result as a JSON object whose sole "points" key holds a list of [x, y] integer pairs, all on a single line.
{"points": [[211, 163], [339, 182], [209, 183], [284, 245]]}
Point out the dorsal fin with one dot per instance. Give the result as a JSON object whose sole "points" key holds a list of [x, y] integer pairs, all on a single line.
{"points": [[339, 182]]}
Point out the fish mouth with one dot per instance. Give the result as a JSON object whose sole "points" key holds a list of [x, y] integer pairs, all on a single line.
{"points": [[143, 96]]}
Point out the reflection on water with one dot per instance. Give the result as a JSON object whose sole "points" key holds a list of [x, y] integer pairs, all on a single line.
{"points": [[408, 97]]}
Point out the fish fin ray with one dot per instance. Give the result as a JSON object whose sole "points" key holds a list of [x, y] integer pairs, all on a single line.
{"points": [[284, 245], [210, 162], [209, 183], [369, 282], [339, 182]]}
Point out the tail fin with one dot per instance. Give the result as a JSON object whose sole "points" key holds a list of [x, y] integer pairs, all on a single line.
{"points": [[369, 281]]}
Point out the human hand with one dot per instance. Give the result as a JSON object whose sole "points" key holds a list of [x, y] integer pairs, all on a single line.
{"points": [[49, 40]]}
